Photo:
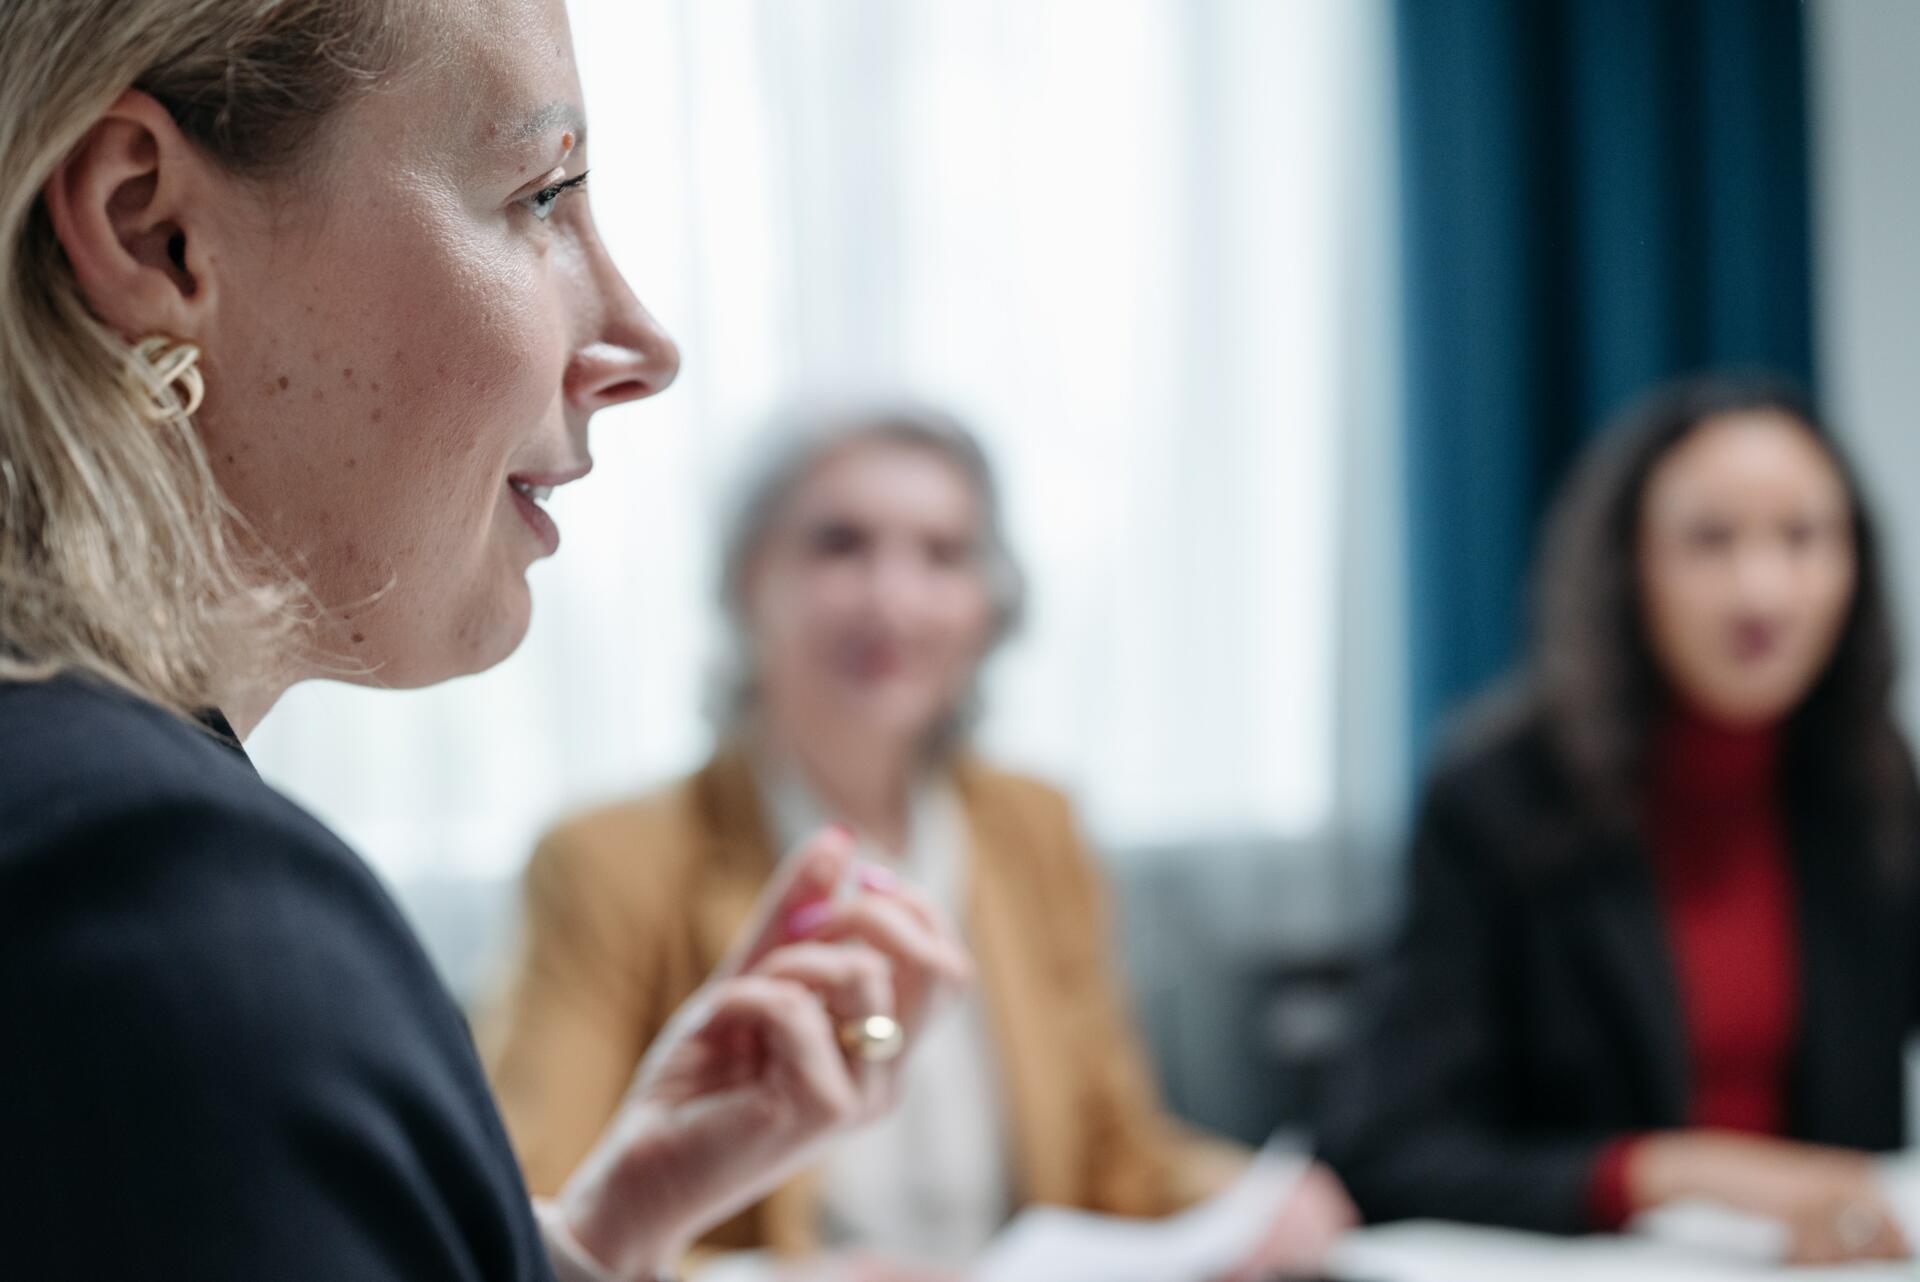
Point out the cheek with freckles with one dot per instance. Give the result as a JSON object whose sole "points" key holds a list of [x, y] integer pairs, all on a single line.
{"points": [[368, 430]]}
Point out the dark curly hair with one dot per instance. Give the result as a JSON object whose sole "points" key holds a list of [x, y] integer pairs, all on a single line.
{"points": [[1594, 684]]}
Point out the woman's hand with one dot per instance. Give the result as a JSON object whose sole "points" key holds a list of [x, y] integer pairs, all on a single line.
{"points": [[1315, 1216], [896, 921], [749, 1076], [1827, 1197]]}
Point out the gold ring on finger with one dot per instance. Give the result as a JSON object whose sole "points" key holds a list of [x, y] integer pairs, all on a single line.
{"points": [[875, 1039]]}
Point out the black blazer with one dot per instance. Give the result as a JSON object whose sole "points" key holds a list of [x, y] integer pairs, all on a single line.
{"points": [[223, 1058], [1529, 1012]]}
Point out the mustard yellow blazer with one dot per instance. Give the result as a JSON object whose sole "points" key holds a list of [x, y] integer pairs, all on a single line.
{"points": [[628, 909]]}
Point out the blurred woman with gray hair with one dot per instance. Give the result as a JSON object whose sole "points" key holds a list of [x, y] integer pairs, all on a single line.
{"points": [[866, 577]]}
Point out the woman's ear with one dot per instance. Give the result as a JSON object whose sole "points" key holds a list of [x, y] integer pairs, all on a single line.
{"points": [[131, 205]]}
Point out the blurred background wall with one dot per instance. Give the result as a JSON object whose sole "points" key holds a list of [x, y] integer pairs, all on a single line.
{"points": [[1282, 319], [1866, 150]]}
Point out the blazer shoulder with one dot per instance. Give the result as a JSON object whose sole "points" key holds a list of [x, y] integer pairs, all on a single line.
{"points": [[1500, 799], [986, 786], [124, 828], [664, 832], [1498, 751], [79, 758], [283, 1022], [1027, 834]]}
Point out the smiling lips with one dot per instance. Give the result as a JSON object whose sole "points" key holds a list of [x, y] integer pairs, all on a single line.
{"points": [[529, 492]]}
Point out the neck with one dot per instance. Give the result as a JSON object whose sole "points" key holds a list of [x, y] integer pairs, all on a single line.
{"points": [[245, 704], [1702, 756], [864, 783], [1689, 720]]}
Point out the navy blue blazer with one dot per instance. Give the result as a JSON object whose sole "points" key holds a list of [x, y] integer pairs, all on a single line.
{"points": [[223, 1056]]}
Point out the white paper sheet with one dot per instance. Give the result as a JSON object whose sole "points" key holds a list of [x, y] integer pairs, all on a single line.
{"points": [[1716, 1230], [1425, 1251], [1049, 1244], [1695, 1242]]}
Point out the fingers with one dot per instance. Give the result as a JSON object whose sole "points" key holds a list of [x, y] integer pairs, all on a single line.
{"points": [[805, 1072], [923, 958], [731, 1100], [1312, 1219], [851, 980], [1848, 1230], [808, 875], [1332, 1207], [919, 906]]}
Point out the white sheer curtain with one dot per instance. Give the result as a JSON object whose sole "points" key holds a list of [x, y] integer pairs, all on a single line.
{"points": [[1135, 242]]}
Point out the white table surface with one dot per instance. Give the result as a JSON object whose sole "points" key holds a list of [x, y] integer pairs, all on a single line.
{"points": [[1429, 1251]]}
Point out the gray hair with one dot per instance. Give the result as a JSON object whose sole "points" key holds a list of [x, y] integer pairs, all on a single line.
{"points": [[793, 445]]}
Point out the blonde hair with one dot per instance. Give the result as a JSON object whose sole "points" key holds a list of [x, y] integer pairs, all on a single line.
{"points": [[119, 555]]}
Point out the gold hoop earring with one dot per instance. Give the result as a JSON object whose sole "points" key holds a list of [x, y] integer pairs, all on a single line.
{"points": [[164, 362]]}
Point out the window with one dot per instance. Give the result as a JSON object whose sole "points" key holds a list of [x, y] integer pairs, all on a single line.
{"points": [[1120, 237]]}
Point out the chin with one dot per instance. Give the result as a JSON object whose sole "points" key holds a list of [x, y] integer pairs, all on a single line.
{"points": [[1750, 709], [503, 629], [889, 718], [467, 640]]}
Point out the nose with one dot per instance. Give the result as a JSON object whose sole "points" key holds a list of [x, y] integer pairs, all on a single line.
{"points": [[629, 356], [1763, 577], [895, 585]]}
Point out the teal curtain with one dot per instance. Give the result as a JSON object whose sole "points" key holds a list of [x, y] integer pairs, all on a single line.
{"points": [[1598, 194]]}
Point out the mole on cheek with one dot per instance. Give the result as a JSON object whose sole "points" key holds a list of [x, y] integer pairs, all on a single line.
{"points": [[283, 381], [377, 416]]}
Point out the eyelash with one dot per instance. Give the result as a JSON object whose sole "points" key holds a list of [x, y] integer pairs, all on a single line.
{"points": [[541, 203]]}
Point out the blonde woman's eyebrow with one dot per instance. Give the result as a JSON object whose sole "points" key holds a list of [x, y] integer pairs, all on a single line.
{"points": [[564, 116]]}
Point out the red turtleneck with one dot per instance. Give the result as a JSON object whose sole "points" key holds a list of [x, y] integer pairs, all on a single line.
{"points": [[1717, 832]]}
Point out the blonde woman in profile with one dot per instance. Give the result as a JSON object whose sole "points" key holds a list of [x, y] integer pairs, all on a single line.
{"points": [[866, 578], [302, 313]]}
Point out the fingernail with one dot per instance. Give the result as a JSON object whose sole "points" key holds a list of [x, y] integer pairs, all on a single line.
{"points": [[877, 879], [804, 921]]}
